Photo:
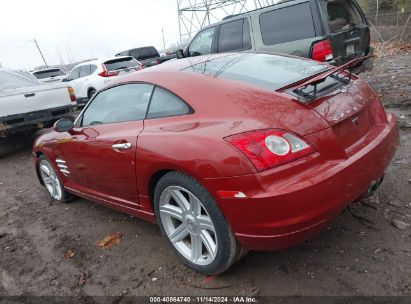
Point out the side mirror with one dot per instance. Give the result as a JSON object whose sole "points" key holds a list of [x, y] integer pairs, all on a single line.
{"points": [[64, 80], [63, 125], [180, 54]]}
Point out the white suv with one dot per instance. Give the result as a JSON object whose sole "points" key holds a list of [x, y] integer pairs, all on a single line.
{"points": [[89, 77]]}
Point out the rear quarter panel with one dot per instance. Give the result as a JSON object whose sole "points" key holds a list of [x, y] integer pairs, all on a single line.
{"points": [[187, 144]]}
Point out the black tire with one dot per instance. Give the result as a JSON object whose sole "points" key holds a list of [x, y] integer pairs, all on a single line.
{"points": [[40, 132], [65, 196], [5, 148], [228, 249], [91, 93]]}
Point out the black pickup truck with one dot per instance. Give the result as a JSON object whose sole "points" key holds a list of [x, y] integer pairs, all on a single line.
{"points": [[147, 56]]}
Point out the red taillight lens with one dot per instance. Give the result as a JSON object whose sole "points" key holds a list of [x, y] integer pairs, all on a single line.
{"points": [[322, 51], [270, 148], [106, 73], [72, 95]]}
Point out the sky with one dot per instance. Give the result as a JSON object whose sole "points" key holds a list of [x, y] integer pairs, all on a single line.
{"points": [[73, 30]]}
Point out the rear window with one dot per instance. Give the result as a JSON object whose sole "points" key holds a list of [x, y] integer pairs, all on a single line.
{"points": [[267, 71], [122, 63], [342, 15], [14, 79], [48, 73], [287, 24], [144, 53]]}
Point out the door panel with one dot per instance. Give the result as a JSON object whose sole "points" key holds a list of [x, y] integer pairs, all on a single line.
{"points": [[98, 169], [100, 153]]}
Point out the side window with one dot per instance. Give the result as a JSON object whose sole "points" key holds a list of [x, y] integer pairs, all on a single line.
{"points": [[202, 43], [165, 104], [122, 103], [287, 24], [231, 36], [84, 70], [93, 68], [74, 74]]}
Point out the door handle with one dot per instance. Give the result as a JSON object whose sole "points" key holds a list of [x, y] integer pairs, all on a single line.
{"points": [[125, 146], [29, 94]]}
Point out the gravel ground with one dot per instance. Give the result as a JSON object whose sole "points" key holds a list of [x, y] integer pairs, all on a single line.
{"points": [[363, 251]]}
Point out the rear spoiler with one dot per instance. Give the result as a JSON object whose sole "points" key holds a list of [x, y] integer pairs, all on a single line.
{"points": [[321, 77]]}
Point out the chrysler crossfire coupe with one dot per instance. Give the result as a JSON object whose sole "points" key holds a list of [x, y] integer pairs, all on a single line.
{"points": [[227, 153]]}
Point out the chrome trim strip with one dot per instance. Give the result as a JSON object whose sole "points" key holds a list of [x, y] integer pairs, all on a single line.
{"points": [[60, 161], [62, 166], [65, 171]]}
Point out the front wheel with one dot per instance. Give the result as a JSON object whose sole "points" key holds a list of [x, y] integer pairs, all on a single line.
{"points": [[52, 182], [195, 227]]}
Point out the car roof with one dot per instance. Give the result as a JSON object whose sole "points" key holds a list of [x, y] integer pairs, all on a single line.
{"points": [[181, 64], [45, 70], [227, 69]]}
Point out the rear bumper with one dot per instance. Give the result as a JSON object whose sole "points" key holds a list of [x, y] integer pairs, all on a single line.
{"points": [[282, 211], [21, 122], [366, 65]]}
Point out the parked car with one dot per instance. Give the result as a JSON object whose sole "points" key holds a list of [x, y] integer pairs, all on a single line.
{"points": [[293, 142], [49, 75], [148, 55], [27, 105], [88, 77], [335, 31]]}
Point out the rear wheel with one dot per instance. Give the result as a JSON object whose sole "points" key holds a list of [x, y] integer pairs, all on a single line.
{"points": [[194, 225], [52, 182]]}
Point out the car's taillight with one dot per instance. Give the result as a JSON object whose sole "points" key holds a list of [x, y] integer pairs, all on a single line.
{"points": [[72, 95], [270, 148], [106, 73], [322, 50]]}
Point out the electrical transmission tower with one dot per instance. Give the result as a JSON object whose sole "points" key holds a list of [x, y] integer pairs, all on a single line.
{"points": [[193, 15]]}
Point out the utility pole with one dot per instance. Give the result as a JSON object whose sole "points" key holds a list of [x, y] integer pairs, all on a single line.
{"points": [[164, 42], [41, 54]]}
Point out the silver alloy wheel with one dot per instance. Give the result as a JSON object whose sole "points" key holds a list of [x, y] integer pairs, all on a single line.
{"points": [[50, 179], [188, 225]]}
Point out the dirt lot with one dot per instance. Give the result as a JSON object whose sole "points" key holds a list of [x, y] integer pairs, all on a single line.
{"points": [[361, 252]]}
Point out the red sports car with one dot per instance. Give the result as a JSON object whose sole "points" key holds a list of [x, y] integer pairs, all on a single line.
{"points": [[227, 153]]}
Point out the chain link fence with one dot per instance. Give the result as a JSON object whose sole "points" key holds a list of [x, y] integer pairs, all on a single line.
{"points": [[390, 26]]}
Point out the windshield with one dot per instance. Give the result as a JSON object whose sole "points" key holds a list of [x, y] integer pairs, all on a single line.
{"points": [[15, 79], [122, 63], [267, 71], [48, 73]]}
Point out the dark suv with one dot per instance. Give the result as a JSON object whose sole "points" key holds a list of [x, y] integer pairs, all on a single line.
{"points": [[325, 30], [147, 56]]}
